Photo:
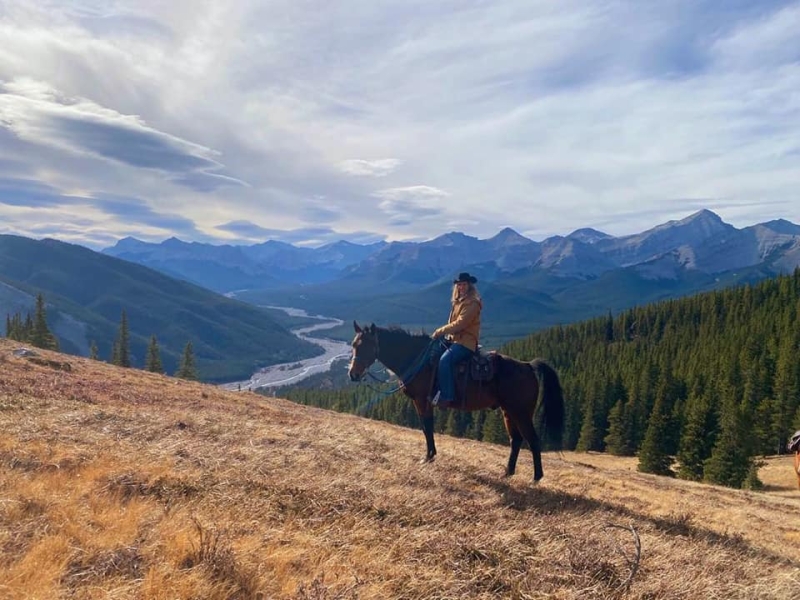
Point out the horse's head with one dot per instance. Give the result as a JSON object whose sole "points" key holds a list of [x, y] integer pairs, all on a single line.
{"points": [[365, 351]]}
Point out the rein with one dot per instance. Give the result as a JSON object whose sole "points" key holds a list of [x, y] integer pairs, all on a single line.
{"points": [[412, 371]]}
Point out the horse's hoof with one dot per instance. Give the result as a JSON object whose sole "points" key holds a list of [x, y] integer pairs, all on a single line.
{"points": [[427, 459]]}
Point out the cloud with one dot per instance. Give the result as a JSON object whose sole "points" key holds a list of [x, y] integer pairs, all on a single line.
{"points": [[33, 194], [248, 233], [372, 168], [408, 204], [135, 211], [325, 118], [41, 115]]}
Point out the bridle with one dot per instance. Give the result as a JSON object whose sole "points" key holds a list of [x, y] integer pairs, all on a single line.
{"points": [[413, 370], [365, 362]]}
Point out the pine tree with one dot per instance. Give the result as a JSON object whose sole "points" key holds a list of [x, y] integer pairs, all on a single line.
{"points": [[593, 428], [730, 460], [187, 369], [121, 355], [27, 329], [40, 336], [494, 430], [153, 363], [653, 456], [93, 352], [694, 447], [617, 441]]}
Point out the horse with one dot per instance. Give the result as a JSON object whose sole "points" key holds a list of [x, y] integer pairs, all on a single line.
{"points": [[797, 467], [793, 445], [514, 389]]}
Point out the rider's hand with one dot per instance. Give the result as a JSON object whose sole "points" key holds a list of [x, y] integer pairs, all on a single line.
{"points": [[437, 333]]}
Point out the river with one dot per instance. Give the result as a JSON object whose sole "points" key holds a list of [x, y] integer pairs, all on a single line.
{"points": [[288, 373]]}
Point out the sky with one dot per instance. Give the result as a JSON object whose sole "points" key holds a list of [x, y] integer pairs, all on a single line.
{"points": [[236, 122]]}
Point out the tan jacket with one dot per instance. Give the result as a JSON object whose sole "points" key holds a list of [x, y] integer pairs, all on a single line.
{"points": [[464, 324]]}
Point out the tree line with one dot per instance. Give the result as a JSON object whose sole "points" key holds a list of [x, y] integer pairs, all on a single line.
{"points": [[697, 388], [33, 330]]}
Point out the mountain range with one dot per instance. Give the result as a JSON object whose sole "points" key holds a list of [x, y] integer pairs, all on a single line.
{"points": [[86, 291], [526, 284], [178, 290], [701, 242]]}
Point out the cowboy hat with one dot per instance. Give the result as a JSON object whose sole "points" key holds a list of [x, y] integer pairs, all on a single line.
{"points": [[465, 278]]}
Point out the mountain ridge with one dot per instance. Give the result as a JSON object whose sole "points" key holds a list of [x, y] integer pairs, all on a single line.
{"points": [[585, 253], [86, 290]]}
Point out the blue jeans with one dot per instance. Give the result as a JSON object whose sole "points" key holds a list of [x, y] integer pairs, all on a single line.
{"points": [[447, 366]]}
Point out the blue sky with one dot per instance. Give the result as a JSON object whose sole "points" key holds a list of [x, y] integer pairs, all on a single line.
{"points": [[309, 122]]}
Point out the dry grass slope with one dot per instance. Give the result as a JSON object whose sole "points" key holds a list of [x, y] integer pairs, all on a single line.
{"points": [[123, 484]]}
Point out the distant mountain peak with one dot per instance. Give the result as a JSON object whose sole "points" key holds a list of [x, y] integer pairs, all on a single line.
{"points": [[587, 235], [452, 238], [173, 242], [781, 226], [703, 214], [508, 237]]}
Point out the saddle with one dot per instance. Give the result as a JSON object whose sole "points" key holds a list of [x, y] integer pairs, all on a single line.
{"points": [[794, 443], [480, 366]]}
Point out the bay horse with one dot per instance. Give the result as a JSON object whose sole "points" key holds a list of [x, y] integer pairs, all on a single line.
{"points": [[797, 467], [514, 389], [793, 445]]}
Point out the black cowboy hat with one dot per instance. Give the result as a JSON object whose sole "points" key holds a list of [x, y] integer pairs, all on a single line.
{"points": [[466, 278]]}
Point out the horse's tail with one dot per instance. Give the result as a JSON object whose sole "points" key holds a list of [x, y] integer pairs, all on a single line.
{"points": [[552, 403]]}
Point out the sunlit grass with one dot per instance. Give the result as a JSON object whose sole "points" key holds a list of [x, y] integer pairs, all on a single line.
{"points": [[123, 484]]}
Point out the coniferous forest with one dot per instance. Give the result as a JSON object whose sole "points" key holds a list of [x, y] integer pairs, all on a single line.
{"points": [[698, 387]]}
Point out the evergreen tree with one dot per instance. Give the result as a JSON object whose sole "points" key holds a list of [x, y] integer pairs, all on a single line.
{"points": [[121, 355], [654, 456], [617, 441], [494, 430], [730, 460], [187, 369], [27, 329], [593, 428], [153, 363], [694, 447], [40, 336], [93, 352]]}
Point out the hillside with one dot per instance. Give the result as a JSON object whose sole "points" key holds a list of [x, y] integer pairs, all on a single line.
{"points": [[125, 484], [86, 292]]}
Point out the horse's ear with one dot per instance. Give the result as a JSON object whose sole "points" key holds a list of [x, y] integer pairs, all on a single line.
{"points": [[372, 328], [356, 327]]}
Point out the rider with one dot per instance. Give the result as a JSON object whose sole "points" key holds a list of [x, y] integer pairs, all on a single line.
{"points": [[463, 328]]}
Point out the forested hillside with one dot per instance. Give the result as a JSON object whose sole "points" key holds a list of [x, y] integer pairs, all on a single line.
{"points": [[231, 339], [699, 387]]}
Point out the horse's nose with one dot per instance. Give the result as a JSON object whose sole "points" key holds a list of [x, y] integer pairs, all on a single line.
{"points": [[354, 376]]}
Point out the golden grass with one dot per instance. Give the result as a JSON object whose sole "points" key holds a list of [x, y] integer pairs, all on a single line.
{"points": [[122, 484]]}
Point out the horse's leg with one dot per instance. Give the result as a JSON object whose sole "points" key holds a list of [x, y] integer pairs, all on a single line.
{"points": [[427, 429], [515, 437], [525, 425]]}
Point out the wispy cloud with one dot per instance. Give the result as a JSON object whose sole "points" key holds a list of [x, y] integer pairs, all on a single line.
{"points": [[39, 114], [398, 120], [372, 168], [246, 232], [407, 205]]}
